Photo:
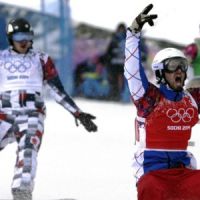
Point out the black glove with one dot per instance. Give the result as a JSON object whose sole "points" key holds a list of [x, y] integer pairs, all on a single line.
{"points": [[142, 18], [86, 120]]}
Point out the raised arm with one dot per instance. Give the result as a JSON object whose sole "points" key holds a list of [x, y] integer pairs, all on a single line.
{"points": [[133, 69]]}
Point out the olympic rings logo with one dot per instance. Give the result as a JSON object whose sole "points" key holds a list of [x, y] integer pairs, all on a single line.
{"points": [[180, 114], [17, 66]]}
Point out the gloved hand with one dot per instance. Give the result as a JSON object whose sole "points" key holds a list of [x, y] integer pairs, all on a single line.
{"points": [[86, 120], [142, 18]]}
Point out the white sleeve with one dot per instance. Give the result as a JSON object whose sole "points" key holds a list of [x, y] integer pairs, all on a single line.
{"points": [[133, 70]]}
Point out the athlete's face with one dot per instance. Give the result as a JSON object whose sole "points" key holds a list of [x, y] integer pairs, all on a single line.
{"points": [[176, 79], [22, 46], [175, 70]]}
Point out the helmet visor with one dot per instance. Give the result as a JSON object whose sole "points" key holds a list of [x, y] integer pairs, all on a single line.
{"points": [[20, 36], [173, 64]]}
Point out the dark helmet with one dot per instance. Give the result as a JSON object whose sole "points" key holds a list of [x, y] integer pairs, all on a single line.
{"points": [[18, 25]]}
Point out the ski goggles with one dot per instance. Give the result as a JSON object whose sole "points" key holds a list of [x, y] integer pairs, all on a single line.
{"points": [[173, 64], [20, 36]]}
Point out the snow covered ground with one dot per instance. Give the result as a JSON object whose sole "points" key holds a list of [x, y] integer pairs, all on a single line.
{"points": [[75, 164], [78, 165]]}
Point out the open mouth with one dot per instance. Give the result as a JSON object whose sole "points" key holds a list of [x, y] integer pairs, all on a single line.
{"points": [[23, 46], [178, 79]]}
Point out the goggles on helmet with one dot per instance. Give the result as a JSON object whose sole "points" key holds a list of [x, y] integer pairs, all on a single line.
{"points": [[20, 36], [173, 64]]}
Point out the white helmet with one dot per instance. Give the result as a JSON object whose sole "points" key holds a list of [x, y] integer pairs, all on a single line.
{"points": [[164, 54]]}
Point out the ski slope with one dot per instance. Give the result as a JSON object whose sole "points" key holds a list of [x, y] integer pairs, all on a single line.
{"points": [[78, 165]]}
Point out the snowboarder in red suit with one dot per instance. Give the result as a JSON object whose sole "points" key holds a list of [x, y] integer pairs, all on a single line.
{"points": [[166, 113]]}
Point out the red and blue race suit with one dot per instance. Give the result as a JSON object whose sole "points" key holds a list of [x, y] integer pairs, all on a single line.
{"points": [[164, 117]]}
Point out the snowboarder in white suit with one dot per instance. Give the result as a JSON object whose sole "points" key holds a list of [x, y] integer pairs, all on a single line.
{"points": [[23, 74], [166, 113]]}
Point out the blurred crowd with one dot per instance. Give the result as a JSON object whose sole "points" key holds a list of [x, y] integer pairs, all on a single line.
{"points": [[102, 76], [192, 52]]}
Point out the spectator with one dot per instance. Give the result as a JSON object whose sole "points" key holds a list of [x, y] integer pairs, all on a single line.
{"points": [[192, 51], [115, 62], [94, 80]]}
